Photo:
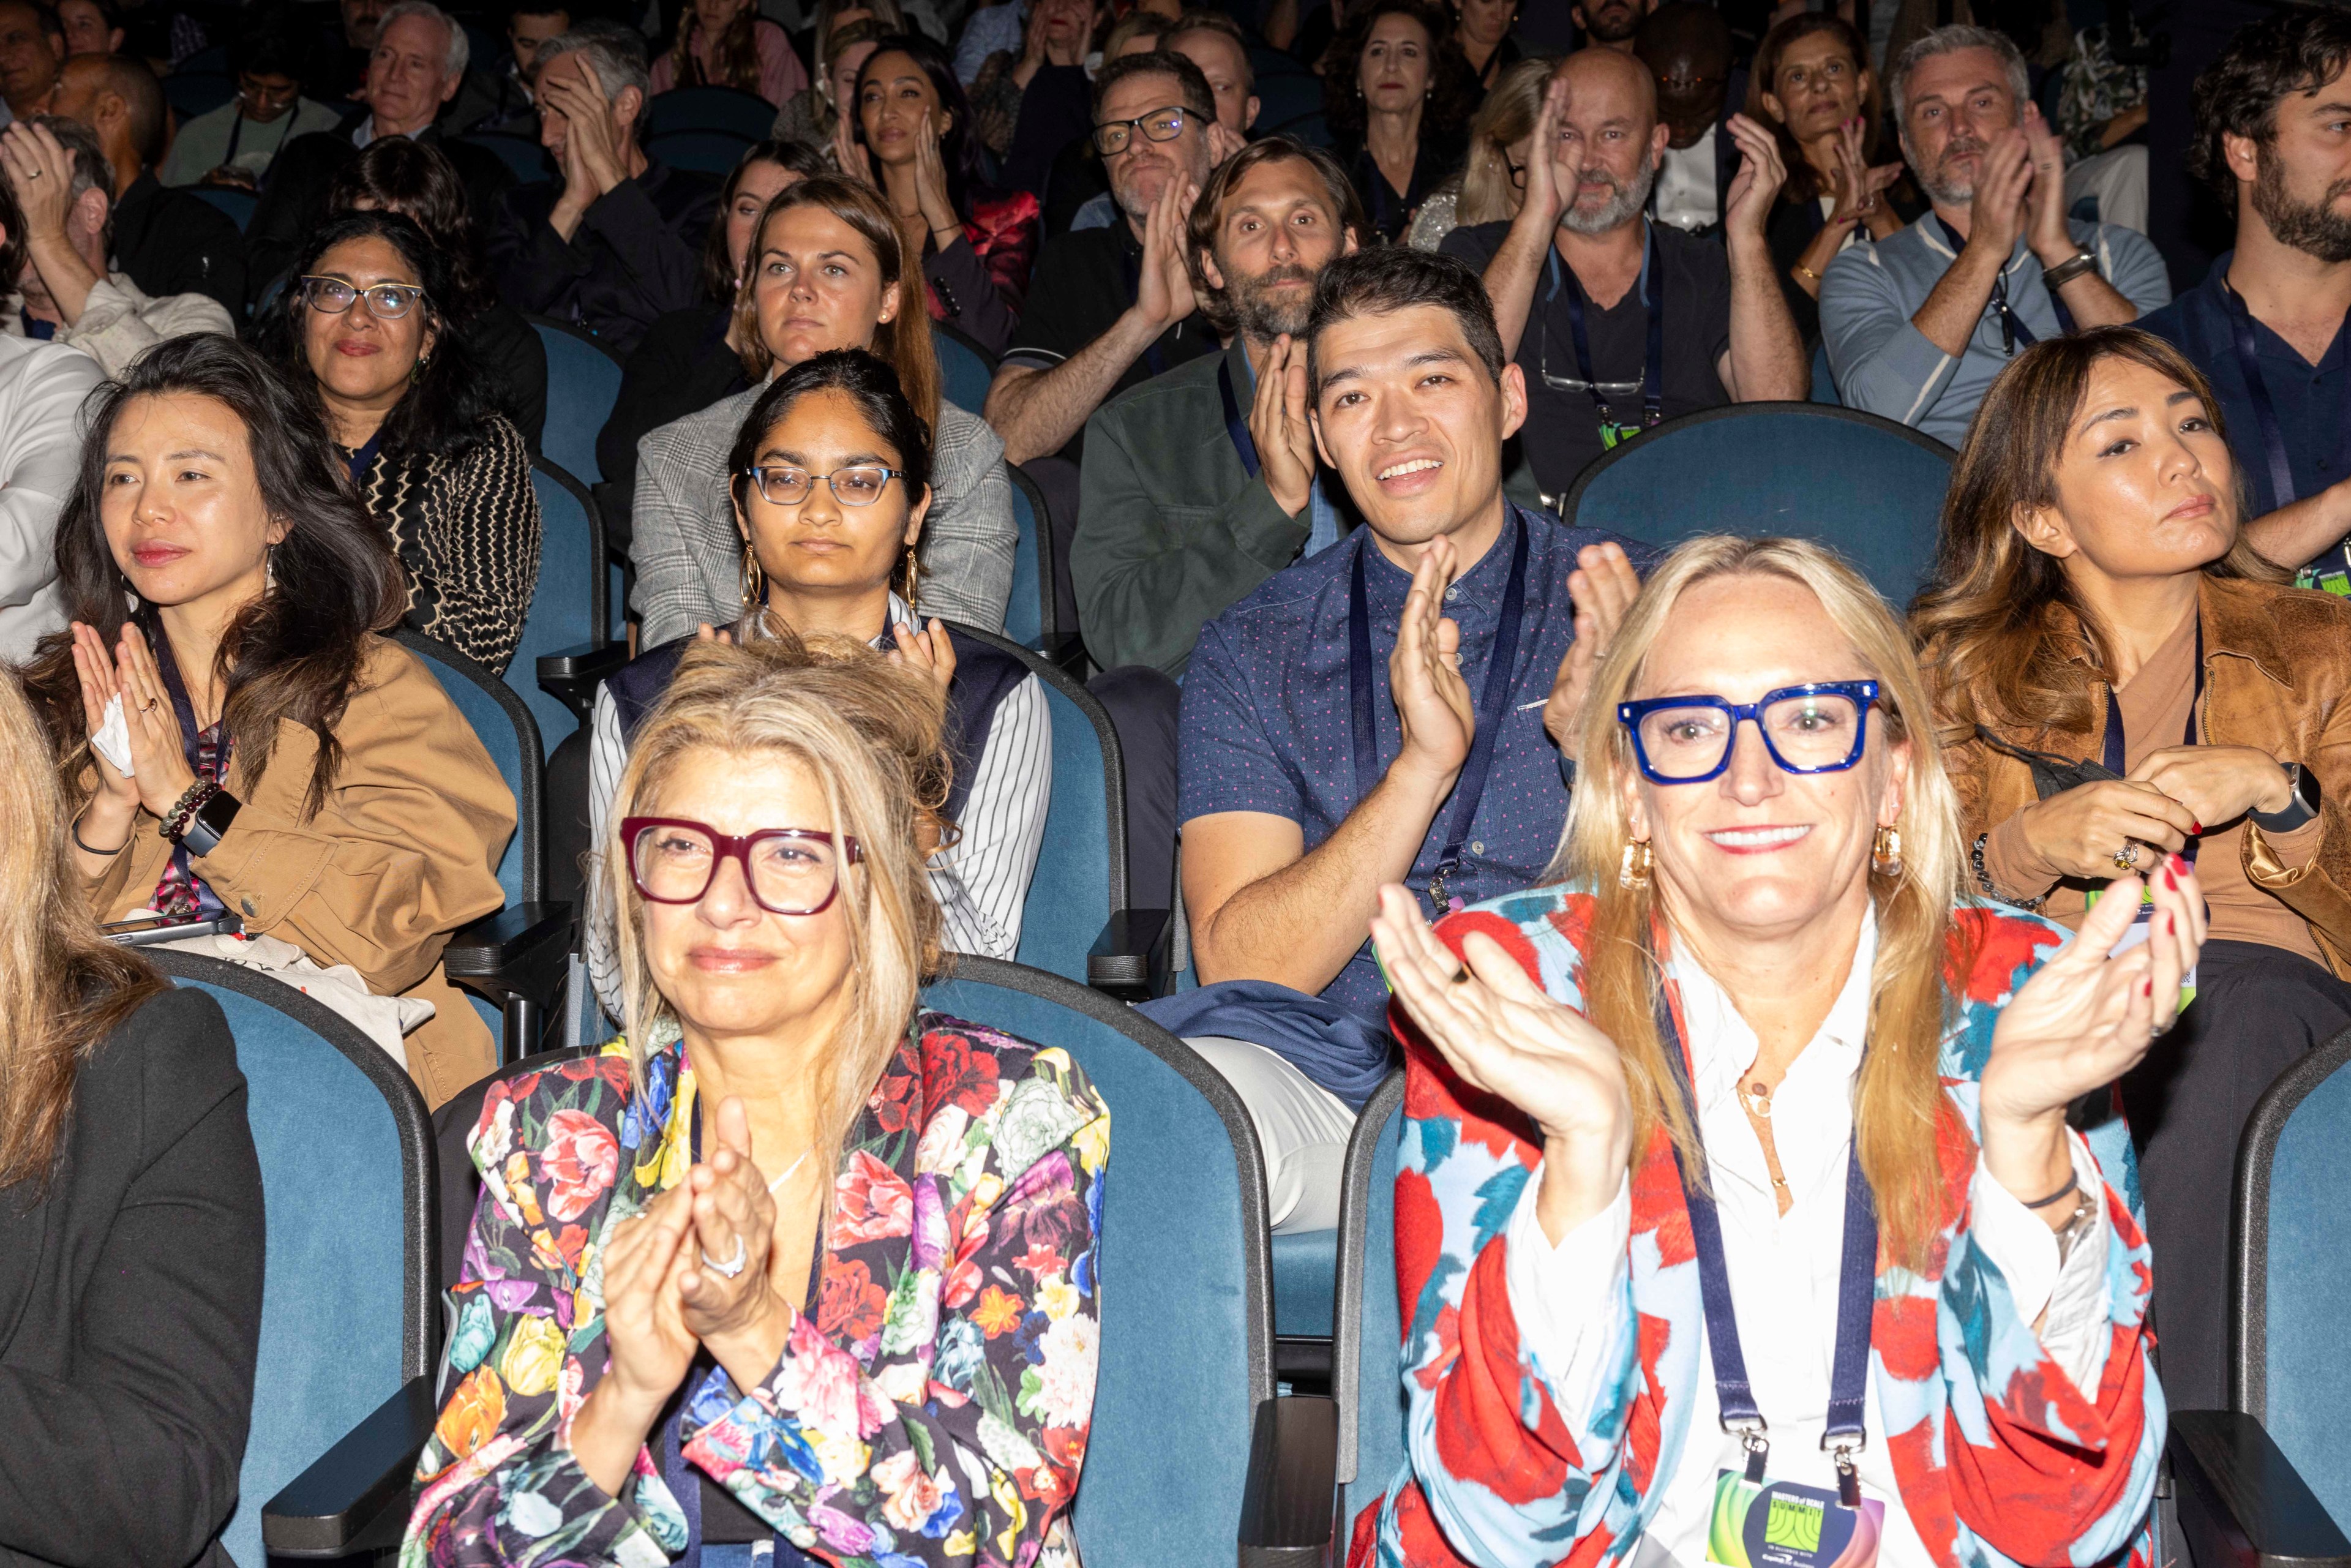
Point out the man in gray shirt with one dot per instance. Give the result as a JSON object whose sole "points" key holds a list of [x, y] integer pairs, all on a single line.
{"points": [[1918, 324]]}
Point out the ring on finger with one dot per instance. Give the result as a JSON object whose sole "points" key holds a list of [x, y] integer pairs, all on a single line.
{"points": [[733, 1266], [2127, 857]]}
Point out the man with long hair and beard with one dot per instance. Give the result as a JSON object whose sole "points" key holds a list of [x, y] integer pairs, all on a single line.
{"points": [[2265, 326]]}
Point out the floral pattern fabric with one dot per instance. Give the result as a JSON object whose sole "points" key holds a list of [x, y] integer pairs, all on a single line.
{"points": [[936, 1410], [2000, 1459]]}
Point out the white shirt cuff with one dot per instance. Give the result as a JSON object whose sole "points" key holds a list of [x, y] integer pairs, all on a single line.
{"points": [[1557, 1293], [2021, 1245]]}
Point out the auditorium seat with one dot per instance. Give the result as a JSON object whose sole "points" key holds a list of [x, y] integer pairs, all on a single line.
{"points": [[726, 109], [522, 155], [965, 367], [571, 607], [583, 382], [237, 204], [703, 151], [1028, 614]]}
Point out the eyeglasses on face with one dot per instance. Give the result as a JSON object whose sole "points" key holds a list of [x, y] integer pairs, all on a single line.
{"points": [[860, 486], [1818, 727], [1113, 136], [1518, 172], [790, 871], [385, 301]]}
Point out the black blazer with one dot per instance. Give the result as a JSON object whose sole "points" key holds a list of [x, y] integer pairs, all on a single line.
{"points": [[131, 1306]]}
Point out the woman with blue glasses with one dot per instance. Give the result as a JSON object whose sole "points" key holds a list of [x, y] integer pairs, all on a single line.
{"points": [[1736, 1193]]}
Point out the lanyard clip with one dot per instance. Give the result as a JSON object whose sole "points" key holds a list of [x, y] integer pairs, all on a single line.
{"points": [[1848, 1473], [1758, 1447]]}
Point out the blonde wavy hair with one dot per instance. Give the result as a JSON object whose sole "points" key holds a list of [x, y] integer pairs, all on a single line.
{"points": [[1899, 1099], [869, 733], [1508, 112]]}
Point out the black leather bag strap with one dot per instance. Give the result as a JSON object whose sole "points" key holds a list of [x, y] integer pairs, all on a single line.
{"points": [[2051, 774]]}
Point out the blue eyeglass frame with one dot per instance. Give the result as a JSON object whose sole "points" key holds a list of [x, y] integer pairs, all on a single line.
{"points": [[1863, 695]]}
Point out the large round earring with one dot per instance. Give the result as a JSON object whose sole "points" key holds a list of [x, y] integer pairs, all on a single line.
{"points": [[1885, 852], [1633, 872], [912, 613], [755, 580]]}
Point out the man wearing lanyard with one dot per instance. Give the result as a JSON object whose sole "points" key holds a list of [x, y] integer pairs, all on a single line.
{"points": [[1199, 484], [1618, 323], [1383, 711], [1918, 324], [2266, 325]]}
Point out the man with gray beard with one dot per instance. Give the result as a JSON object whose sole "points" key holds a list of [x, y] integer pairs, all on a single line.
{"points": [[2267, 326], [1619, 323], [1918, 324]]}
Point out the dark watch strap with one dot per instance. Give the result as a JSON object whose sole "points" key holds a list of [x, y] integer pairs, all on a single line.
{"points": [[2301, 807], [210, 823]]}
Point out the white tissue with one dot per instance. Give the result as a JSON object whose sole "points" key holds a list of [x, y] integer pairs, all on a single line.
{"points": [[112, 740]]}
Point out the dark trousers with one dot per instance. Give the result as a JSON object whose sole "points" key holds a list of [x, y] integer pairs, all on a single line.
{"points": [[1142, 704], [2257, 1009]]}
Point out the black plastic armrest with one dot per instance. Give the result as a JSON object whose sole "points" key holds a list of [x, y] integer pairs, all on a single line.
{"points": [[1288, 1508], [2241, 1503], [354, 1497], [505, 944], [1066, 653], [1129, 959], [571, 675]]}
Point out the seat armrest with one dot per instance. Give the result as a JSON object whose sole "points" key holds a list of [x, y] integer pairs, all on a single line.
{"points": [[1288, 1507], [571, 675], [2241, 1503], [1066, 653], [517, 960], [354, 1497], [1129, 959]]}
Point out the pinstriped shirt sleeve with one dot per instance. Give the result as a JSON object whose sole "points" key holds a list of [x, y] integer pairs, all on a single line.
{"points": [[607, 755], [982, 882], [687, 554], [969, 537]]}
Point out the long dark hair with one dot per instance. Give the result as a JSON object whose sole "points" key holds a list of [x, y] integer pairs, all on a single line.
{"points": [[1453, 90], [1996, 626], [443, 410], [718, 279], [958, 149], [293, 654], [400, 175], [1803, 182], [734, 55]]}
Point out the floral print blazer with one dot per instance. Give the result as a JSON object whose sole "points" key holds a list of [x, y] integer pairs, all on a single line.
{"points": [[2000, 1460], [935, 1412]]}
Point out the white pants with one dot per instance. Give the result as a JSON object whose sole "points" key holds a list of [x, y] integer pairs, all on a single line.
{"points": [[1302, 1127]]}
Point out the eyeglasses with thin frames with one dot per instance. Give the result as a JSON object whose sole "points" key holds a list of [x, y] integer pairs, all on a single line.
{"points": [[790, 871], [860, 485], [385, 301], [1113, 136]]}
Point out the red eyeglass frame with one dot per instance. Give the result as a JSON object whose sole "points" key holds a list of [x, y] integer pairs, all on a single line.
{"points": [[729, 846]]}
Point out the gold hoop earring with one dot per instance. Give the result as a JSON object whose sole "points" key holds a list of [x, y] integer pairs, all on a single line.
{"points": [[1633, 872], [755, 580], [912, 613], [1885, 852]]}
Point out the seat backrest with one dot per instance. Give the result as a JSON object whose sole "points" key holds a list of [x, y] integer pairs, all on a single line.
{"points": [[707, 107], [1825, 387], [192, 93], [1186, 1305], [524, 157], [1367, 1338], [348, 1184], [237, 204], [703, 151], [966, 369], [504, 729], [2293, 1270], [583, 382], [567, 606], [1080, 875], [1872, 488], [1030, 611]]}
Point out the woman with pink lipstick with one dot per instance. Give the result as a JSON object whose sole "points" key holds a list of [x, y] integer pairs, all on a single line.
{"points": [[2121, 678]]}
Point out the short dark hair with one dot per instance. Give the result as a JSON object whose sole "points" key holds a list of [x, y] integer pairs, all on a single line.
{"points": [[1207, 214], [2300, 49], [268, 52], [129, 79], [1384, 278], [1192, 85], [869, 381]]}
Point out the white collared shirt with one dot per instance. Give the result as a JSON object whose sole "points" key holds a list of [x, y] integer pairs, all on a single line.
{"points": [[1684, 191], [1784, 1267]]}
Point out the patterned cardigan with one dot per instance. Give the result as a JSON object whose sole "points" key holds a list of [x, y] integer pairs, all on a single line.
{"points": [[934, 1413], [469, 533], [2000, 1459]]}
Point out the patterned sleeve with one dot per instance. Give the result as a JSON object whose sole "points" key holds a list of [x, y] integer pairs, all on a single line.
{"points": [[962, 1445], [481, 552]]}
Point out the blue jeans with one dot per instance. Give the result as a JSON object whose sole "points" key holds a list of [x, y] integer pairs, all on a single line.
{"points": [[758, 1554]]}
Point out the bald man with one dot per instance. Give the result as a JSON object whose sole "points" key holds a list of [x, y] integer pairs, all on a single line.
{"points": [[168, 241], [1583, 284], [1686, 47]]}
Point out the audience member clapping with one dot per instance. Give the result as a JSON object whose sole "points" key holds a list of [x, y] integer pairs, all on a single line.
{"points": [[2125, 685], [1037, 100], [134, 1207], [1688, 49], [813, 116], [238, 143], [837, 558], [362, 328], [1212, 41], [63, 193], [1919, 325], [826, 272], [1396, 94], [763, 872], [1493, 179], [726, 43], [614, 241], [287, 766], [911, 138]]}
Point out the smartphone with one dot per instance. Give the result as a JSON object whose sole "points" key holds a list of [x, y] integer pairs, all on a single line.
{"points": [[146, 930]]}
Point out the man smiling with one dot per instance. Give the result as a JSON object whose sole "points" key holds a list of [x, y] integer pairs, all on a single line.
{"points": [[1388, 710]]}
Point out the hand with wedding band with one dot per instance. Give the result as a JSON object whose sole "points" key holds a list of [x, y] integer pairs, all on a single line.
{"points": [[159, 762], [2095, 831], [730, 1301]]}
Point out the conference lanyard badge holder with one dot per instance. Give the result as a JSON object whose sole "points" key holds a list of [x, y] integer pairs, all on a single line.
{"points": [[1757, 1523]]}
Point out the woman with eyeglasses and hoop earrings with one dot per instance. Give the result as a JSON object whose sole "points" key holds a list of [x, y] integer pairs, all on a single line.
{"points": [[830, 482], [821, 1263], [1493, 179], [1736, 1188], [363, 325]]}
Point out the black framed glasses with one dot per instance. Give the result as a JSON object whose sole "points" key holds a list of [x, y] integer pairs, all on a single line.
{"points": [[1113, 136], [1518, 172], [860, 485], [385, 301], [790, 871], [1820, 726]]}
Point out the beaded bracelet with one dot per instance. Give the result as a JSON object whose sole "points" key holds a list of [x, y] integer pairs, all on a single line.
{"points": [[1983, 880], [183, 810]]}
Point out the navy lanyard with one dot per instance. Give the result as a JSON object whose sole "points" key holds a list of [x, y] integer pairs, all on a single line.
{"points": [[1856, 1298], [1653, 364], [1234, 425], [2112, 756], [1492, 701], [1152, 355], [2249, 365], [2012, 329]]}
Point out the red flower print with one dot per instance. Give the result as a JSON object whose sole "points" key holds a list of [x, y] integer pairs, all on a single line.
{"points": [[1419, 1237], [578, 1071], [581, 1159], [571, 1242], [957, 1073], [1902, 1333], [1454, 931], [1989, 948], [890, 1105], [1066, 1447], [871, 1202], [1043, 1484], [1042, 1262], [1659, 1204], [1479, 1434], [851, 1307]]}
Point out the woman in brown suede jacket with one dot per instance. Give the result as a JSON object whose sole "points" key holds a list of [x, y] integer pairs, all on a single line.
{"points": [[287, 765], [2122, 681]]}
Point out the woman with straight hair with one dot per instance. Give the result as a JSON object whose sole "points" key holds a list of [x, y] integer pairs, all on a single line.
{"points": [[824, 271], [2119, 677], [1493, 180], [1736, 1182], [823, 1262], [726, 43], [287, 764], [130, 1218]]}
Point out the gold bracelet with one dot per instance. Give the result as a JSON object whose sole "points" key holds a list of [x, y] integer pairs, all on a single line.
{"points": [[1803, 271]]}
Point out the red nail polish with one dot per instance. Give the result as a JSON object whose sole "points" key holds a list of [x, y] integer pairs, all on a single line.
{"points": [[2180, 865], [2170, 879], [2195, 827], [2147, 988]]}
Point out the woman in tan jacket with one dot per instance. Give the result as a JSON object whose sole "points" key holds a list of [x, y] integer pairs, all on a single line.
{"points": [[287, 766], [2122, 684]]}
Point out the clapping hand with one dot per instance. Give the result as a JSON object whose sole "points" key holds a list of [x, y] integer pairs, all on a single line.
{"points": [[1432, 700], [2045, 200], [1757, 185], [848, 152], [40, 174], [1278, 426], [1860, 189], [931, 196], [645, 1262], [1996, 215], [591, 153], [1164, 292], [1554, 164], [930, 652], [728, 1299], [1602, 588], [159, 762]]}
